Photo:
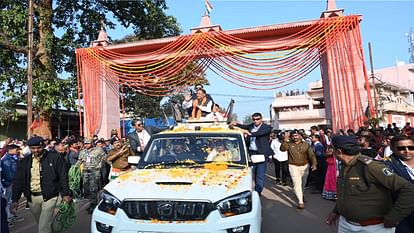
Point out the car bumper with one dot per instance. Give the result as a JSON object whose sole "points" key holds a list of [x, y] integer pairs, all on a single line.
{"points": [[214, 223]]}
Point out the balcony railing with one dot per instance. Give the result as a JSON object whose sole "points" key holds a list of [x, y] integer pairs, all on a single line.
{"points": [[303, 114]]}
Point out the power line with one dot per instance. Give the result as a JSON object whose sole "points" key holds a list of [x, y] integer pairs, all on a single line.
{"points": [[243, 96]]}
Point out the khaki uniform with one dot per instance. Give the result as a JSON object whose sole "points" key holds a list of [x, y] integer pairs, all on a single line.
{"points": [[299, 154], [119, 158], [365, 193]]}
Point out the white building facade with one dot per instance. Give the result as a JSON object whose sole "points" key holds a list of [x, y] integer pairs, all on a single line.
{"points": [[394, 95]]}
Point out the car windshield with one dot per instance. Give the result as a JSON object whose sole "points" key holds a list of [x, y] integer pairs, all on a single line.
{"points": [[194, 149]]}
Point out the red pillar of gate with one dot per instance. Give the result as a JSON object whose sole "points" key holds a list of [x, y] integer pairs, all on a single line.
{"points": [[109, 107], [344, 83]]}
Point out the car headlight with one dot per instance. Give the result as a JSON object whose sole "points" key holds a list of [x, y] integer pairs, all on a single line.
{"points": [[109, 203], [238, 204]]}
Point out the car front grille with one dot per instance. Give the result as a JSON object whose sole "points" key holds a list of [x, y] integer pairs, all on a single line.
{"points": [[167, 210]]}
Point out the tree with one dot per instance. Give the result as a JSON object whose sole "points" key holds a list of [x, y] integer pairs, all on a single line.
{"points": [[61, 26], [247, 119]]}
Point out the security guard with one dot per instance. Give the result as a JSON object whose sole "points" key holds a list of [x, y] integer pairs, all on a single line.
{"points": [[371, 198], [41, 176], [92, 159]]}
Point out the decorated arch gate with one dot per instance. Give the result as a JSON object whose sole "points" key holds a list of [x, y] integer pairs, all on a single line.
{"points": [[262, 58]]}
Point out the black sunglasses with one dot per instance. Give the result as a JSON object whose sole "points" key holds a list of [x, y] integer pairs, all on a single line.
{"points": [[405, 147], [257, 119]]}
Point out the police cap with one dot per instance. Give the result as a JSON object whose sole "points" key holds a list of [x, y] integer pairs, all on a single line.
{"points": [[295, 131], [35, 141], [12, 146], [339, 140]]}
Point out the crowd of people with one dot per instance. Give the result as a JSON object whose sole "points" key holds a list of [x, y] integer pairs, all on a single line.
{"points": [[39, 169], [369, 173]]}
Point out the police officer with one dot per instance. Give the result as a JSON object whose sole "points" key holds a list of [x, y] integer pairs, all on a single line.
{"points": [[300, 154], [371, 198], [41, 176], [92, 159]]}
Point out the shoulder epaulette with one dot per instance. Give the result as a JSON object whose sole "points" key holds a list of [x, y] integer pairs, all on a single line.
{"points": [[365, 159]]}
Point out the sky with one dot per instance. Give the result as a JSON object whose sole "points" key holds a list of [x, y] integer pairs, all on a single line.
{"points": [[384, 24]]}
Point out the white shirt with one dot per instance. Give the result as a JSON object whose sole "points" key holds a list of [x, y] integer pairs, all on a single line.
{"points": [[144, 138], [281, 156], [215, 116], [253, 145], [387, 151], [187, 104]]}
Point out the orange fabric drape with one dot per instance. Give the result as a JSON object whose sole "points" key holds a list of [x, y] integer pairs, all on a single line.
{"points": [[256, 65]]}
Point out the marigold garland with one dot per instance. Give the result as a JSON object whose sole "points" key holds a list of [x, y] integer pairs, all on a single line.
{"points": [[257, 65]]}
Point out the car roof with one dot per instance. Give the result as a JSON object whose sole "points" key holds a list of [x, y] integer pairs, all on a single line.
{"points": [[202, 127]]}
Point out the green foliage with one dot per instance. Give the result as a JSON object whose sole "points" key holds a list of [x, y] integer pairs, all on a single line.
{"points": [[167, 106], [247, 119], [233, 117], [60, 27], [375, 122], [140, 105]]}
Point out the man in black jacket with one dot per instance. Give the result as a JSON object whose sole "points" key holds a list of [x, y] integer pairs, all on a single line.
{"points": [[139, 139], [41, 176], [401, 162], [259, 143]]}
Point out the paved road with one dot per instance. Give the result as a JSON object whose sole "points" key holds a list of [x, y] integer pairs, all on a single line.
{"points": [[278, 209]]}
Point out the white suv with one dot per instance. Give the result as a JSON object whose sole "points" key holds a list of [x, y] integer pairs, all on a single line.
{"points": [[189, 180]]}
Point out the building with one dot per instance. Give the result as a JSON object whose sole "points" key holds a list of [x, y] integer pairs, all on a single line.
{"points": [[299, 110], [67, 123], [394, 95], [395, 87]]}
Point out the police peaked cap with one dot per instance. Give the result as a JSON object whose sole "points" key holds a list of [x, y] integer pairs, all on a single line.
{"points": [[36, 141], [339, 140], [295, 131]]}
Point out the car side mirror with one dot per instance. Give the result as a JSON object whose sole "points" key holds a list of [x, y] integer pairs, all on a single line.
{"points": [[134, 160]]}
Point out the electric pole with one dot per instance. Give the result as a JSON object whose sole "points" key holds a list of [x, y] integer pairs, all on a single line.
{"points": [[30, 68], [373, 80]]}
